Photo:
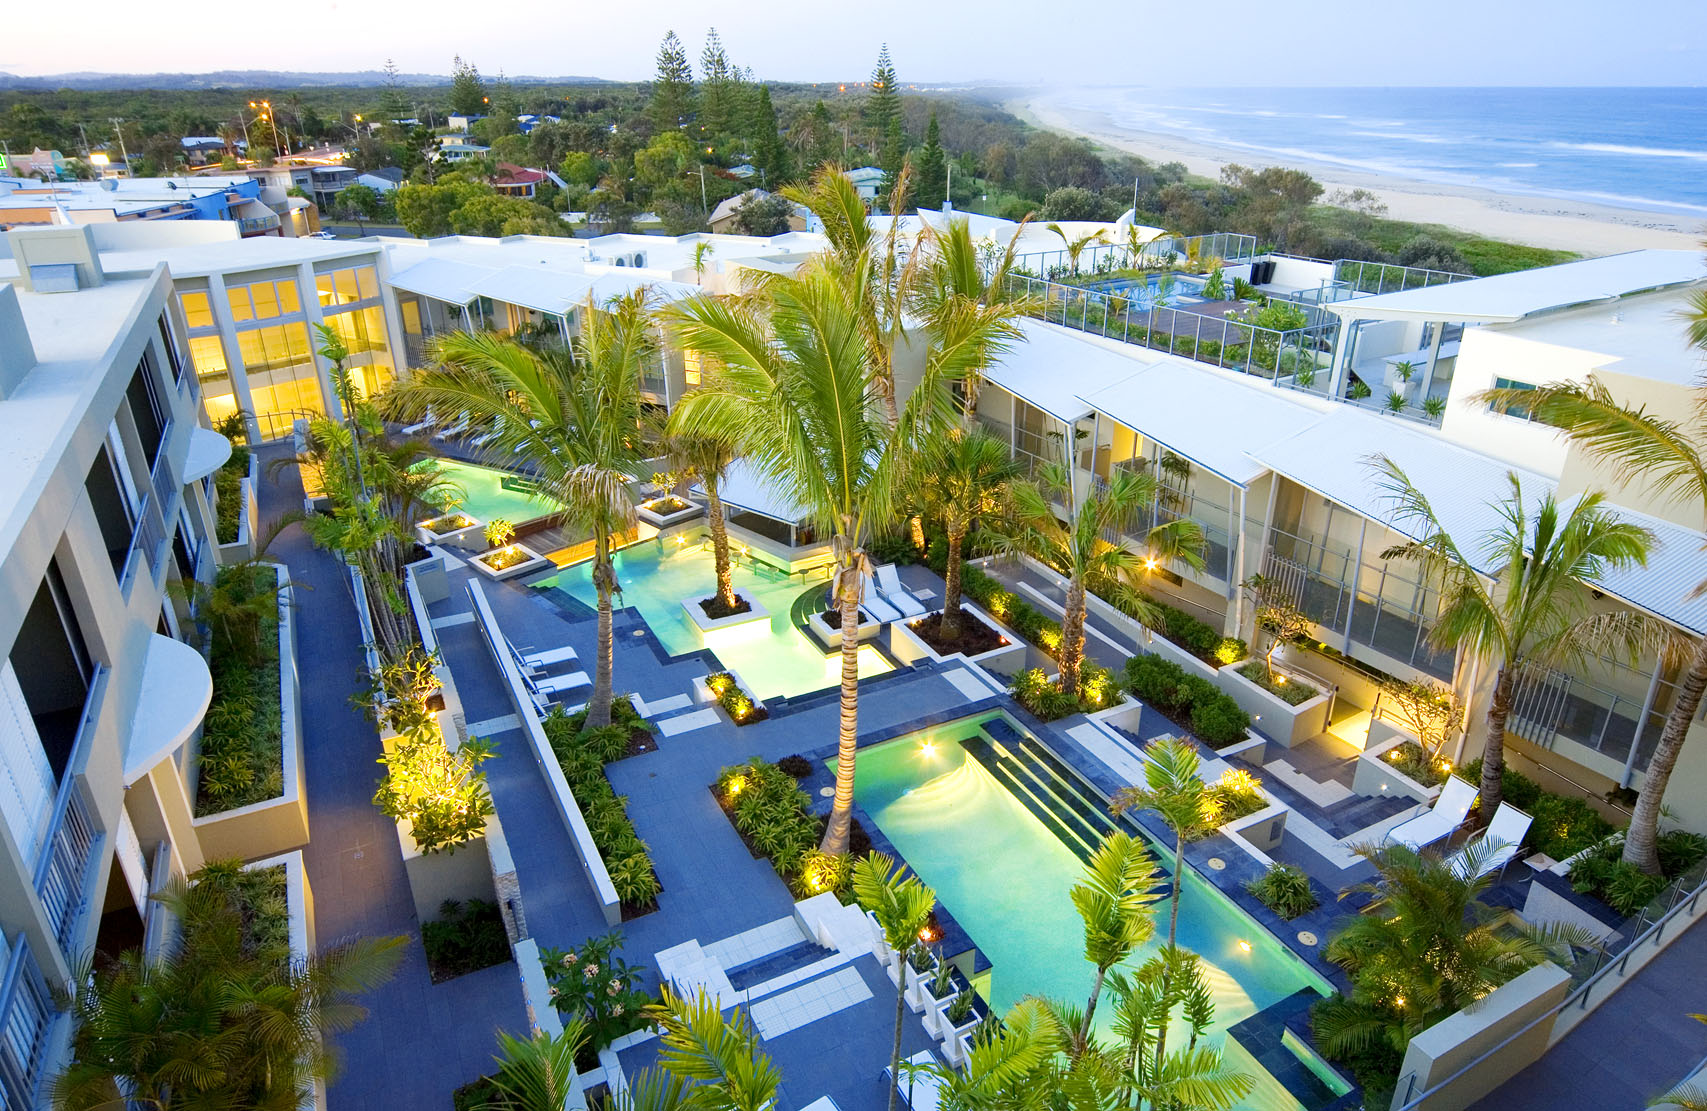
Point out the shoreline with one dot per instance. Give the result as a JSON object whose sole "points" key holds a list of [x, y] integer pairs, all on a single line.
{"points": [[1537, 221]]}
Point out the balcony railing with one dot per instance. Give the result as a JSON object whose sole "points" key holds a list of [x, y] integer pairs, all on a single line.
{"points": [[257, 225], [147, 543], [27, 1016], [160, 478], [69, 850], [1549, 705]]}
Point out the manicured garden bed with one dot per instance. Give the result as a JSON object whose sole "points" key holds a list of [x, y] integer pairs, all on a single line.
{"points": [[228, 493], [971, 635], [741, 706], [1165, 686], [242, 744], [582, 754], [715, 610], [1290, 691], [774, 819], [466, 937]]}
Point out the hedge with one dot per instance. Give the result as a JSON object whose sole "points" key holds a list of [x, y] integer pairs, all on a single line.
{"points": [[1184, 697]]}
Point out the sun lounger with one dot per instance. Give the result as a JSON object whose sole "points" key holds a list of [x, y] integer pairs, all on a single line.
{"points": [[1440, 821], [557, 683], [919, 1091], [427, 421], [485, 437], [454, 430], [889, 581], [535, 661], [881, 611], [1503, 838]]}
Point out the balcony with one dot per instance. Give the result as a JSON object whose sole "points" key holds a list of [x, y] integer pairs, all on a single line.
{"points": [[257, 225], [1549, 706], [27, 1018], [176, 690], [70, 847]]}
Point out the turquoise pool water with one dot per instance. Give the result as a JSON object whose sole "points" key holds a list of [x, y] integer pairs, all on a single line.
{"points": [[773, 657], [483, 495], [1005, 876]]}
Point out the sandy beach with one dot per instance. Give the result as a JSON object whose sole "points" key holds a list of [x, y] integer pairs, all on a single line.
{"points": [[1588, 229]]}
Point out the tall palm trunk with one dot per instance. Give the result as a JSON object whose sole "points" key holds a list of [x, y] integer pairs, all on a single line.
{"points": [[719, 544], [1493, 748], [1173, 932], [1641, 840], [1084, 1037], [604, 581], [841, 811], [1072, 637], [950, 625], [900, 1016]]}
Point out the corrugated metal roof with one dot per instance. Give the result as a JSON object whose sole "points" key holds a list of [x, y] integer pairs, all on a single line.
{"points": [[1053, 367], [745, 487], [442, 279], [534, 287], [1507, 297]]}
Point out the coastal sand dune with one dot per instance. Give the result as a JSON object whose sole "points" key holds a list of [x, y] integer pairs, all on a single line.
{"points": [[1539, 221]]}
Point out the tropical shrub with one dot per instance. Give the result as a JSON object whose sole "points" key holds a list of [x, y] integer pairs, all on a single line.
{"points": [[1414, 761], [242, 745], [1098, 690], [1182, 697], [774, 816], [740, 705], [1290, 691], [1235, 795], [1604, 874], [1561, 825], [466, 937], [582, 755], [592, 983], [1215, 289], [1284, 889], [440, 793]]}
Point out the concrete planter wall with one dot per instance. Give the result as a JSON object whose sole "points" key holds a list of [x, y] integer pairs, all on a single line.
{"points": [[1288, 724], [831, 639], [271, 826], [248, 515], [533, 563], [702, 693], [299, 901], [1376, 775], [471, 536], [661, 520], [1007, 661]]}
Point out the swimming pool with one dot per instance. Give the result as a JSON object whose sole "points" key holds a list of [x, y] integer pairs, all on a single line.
{"points": [[1151, 291], [774, 658], [954, 802], [484, 495]]}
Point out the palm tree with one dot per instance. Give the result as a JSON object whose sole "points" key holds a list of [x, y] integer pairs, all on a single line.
{"points": [[958, 275], [537, 1073], [1076, 246], [1076, 547], [1193, 1078], [1114, 900], [902, 906], [702, 252], [965, 477], [1664, 456], [1687, 1096], [1425, 948], [574, 417], [1536, 609], [1010, 1068], [797, 389], [699, 1044], [225, 1018], [709, 458]]}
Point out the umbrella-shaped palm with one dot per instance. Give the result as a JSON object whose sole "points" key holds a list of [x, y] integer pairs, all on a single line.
{"points": [[797, 389], [1076, 245], [708, 458], [965, 477], [902, 906], [1543, 558], [1114, 900], [574, 417], [537, 1073], [1076, 547], [1665, 456], [956, 274]]}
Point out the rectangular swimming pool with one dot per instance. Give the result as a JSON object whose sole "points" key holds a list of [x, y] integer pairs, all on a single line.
{"points": [[485, 496], [775, 658], [990, 819]]}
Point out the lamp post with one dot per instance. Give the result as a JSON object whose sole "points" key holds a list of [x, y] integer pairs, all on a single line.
{"points": [[124, 156], [264, 111]]}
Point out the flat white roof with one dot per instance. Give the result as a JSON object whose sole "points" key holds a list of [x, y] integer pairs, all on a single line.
{"points": [[1054, 367], [1643, 336], [745, 487], [1508, 297]]}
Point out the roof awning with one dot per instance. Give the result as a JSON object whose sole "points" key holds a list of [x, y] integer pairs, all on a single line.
{"points": [[208, 452]]}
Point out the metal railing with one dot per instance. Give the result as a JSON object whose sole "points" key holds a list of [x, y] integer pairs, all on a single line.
{"points": [[1549, 704], [27, 1016], [1372, 278], [249, 225], [1097, 259], [1297, 359], [1589, 973], [68, 850], [160, 478], [147, 537]]}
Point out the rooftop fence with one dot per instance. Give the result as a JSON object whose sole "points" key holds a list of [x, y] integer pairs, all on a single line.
{"points": [[1098, 259]]}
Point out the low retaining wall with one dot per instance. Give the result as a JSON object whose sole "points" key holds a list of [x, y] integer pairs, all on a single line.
{"points": [[248, 515], [1007, 661], [1277, 718], [299, 901], [1456, 1041], [271, 826]]}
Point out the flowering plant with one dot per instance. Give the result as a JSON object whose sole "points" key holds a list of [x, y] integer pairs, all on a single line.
{"points": [[593, 982]]}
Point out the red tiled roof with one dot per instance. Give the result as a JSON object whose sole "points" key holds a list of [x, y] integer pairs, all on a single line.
{"points": [[510, 174]]}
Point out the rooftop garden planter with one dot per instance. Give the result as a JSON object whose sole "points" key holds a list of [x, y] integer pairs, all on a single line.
{"points": [[993, 645], [826, 627], [703, 620], [1274, 713], [669, 510], [1378, 772], [235, 487], [251, 796], [726, 689], [510, 561], [1188, 699], [456, 529], [582, 755]]}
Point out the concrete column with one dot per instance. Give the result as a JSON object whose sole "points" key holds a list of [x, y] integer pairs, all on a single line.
{"points": [[1433, 358], [1629, 774], [311, 311], [221, 307], [1356, 576], [1238, 615]]}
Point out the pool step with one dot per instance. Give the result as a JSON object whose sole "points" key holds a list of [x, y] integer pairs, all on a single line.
{"points": [[1004, 772]]}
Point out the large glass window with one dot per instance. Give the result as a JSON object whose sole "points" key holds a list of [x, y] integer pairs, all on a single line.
{"points": [[346, 287], [283, 381], [214, 373], [263, 300], [114, 513], [198, 312], [363, 332], [53, 668]]}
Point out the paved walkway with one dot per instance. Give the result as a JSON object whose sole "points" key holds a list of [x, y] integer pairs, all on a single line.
{"points": [[421, 1040], [1633, 1047]]}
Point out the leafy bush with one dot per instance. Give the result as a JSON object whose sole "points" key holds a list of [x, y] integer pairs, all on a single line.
{"points": [[1165, 685], [1230, 650], [593, 982], [1284, 889], [466, 937], [774, 816], [1219, 721], [738, 703], [242, 745], [1045, 699], [1626, 888], [797, 766], [1290, 691], [1235, 795], [896, 548], [582, 754], [440, 793], [1411, 759]]}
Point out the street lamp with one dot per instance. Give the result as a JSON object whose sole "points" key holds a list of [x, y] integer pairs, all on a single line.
{"points": [[265, 112]]}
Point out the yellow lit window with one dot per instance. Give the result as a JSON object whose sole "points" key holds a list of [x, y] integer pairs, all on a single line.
{"points": [[238, 297], [693, 363], [198, 313]]}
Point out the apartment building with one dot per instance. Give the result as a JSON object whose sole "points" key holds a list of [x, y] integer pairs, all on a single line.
{"points": [[104, 509], [1280, 480]]}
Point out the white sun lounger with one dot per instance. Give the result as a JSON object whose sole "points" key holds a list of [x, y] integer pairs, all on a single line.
{"points": [[534, 661], [556, 684], [889, 581], [427, 421], [454, 430], [921, 1092], [1504, 836], [485, 437], [872, 602], [1447, 815]]}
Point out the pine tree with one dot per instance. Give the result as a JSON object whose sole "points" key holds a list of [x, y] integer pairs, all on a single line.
{"points": [[769, 155], [672, 88], [826, 144], [393, 105], [716, 112], [883, 106], [505, 105], [930, 169], [467, 91]]}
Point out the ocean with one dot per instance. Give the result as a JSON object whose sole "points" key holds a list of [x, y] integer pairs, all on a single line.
{"points": [[1642, 148]]}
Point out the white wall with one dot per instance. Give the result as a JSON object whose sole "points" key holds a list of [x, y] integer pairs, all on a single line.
{"points": [[1487, 354]]}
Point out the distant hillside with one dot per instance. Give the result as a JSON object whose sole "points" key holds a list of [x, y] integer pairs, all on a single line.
{"points": [[251, 79]]}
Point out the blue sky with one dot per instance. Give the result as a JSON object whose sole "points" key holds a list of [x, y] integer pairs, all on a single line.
{"points": [[1117, 42]]}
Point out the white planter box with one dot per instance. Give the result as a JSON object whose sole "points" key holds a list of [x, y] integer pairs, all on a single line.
{"points": [[470, 533], [919, 987], [248, 514], [647, 511], [533, 564], [1290, 725], [696, 614], [831, 639], [1007, 660], [299, 899], [1375, 775], [702, 692]]}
